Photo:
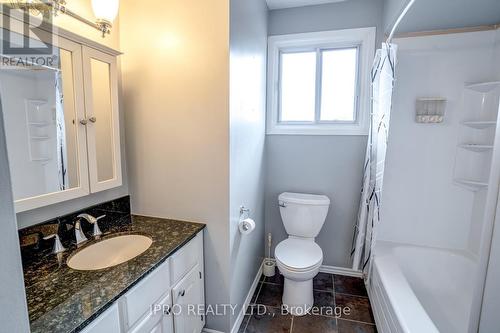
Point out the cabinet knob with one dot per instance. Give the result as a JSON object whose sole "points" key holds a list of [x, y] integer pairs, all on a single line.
{"points": [[83, 121], [92, 119]]}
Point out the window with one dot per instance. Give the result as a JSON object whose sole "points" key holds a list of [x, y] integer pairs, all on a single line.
{"points": [[319, 82]]}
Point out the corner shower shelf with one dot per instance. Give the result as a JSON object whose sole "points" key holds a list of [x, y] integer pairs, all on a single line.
{"points": [[476, 148], [41, 159], [39, 124], [472, 185], [40, 138], [483, 87], [479, 124]]}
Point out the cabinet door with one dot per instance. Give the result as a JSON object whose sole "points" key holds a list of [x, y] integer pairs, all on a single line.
{"points": [[103, 129], [187, 296], [108, 322]]}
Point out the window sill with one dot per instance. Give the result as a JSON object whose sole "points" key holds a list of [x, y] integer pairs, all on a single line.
{"points": [[342, 129]]}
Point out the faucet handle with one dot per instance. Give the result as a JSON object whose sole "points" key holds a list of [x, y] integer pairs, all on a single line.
{"points": [[87, 217], [58, 247], [97, 231], [79, 234]]}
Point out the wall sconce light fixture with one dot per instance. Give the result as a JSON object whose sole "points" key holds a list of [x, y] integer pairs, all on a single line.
{"points": [[104, 10]]}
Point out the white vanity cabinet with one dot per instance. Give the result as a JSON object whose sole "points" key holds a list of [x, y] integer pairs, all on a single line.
{"points": [[168, 300]]}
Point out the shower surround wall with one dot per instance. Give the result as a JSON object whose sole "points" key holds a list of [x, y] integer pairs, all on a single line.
{"points": [[422, 204], [441, 188]]}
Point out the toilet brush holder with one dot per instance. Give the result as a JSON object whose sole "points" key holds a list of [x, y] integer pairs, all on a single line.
{"points": [[268, 268]]}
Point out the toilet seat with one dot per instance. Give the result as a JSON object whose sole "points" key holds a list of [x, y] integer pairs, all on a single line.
{"points": [[299, 255]]}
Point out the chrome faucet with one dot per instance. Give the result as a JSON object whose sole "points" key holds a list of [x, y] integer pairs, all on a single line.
{"points": [[79, 235], [93, 220], [58, 247]]}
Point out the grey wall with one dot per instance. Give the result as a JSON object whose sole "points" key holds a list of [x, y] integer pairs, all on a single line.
{"points": [[330, 165], [248, 45], [334, 16], [13, 313]]}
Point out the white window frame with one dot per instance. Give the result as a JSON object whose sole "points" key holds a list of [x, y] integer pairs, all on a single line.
{"points": [[363, 39]]}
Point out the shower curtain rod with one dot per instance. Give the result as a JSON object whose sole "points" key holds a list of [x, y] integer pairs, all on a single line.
{"points": [[447, 31], [398, 21]]}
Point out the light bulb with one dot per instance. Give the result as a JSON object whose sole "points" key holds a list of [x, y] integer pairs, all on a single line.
{"points": [[105, 10]]}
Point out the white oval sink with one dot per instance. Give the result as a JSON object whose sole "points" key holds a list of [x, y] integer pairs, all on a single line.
{"points": [[109, 252]]}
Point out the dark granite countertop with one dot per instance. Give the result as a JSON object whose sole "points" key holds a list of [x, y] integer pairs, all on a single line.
{"points": [[61, 299]]}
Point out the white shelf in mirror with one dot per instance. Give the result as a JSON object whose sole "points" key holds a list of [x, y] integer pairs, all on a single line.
{"points": [[41, 159], [476, 147], [473, 185], [479, 124], [483, 87], [40, 138], [39, 124]]}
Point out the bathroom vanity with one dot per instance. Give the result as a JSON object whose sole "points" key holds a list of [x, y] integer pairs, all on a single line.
{"points": [[149, 306], [148, 293]]}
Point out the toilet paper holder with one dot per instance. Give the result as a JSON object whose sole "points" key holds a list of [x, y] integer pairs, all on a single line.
{"points": [[246, 225], [244, 211]]}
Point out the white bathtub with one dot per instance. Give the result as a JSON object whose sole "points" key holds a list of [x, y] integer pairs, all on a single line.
{"points": [[421, 289]]}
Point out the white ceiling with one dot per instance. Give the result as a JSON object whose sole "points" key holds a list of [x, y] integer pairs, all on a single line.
{"points": [[278, 4]]}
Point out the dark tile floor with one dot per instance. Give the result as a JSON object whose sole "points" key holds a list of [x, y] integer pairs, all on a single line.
{"points": [[341, 306]]}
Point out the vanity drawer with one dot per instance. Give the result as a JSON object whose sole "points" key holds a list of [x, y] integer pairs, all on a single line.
{"points": [[108, 322], [186, 258], [138, 301], [160, 321]]}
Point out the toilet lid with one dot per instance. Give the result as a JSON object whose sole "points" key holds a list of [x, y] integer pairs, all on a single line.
{"points": [[298, 254]]}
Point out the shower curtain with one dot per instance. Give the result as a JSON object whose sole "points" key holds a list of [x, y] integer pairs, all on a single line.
{"points": [[61, 134], [365, 232]]}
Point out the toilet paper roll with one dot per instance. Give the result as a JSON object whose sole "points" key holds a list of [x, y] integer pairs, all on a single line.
{"points": [[246, 226]]}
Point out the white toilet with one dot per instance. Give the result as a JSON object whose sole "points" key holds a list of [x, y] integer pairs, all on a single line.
{"points": [[299, 257]]}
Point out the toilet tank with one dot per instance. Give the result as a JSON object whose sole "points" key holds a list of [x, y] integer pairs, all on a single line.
{"points": [[303, 215]]}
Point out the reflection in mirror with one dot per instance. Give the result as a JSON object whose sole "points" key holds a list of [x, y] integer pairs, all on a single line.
{"points": [[102, 107], [38, 105]]}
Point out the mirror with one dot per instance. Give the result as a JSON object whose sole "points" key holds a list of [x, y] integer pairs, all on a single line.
{"points": [[40, 113], [101, 93]]}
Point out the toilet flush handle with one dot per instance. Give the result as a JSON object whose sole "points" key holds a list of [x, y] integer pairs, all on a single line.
{"points": [[281, 204]]}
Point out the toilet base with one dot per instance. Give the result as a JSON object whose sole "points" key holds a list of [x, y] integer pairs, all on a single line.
{"points": [[298, 296]]}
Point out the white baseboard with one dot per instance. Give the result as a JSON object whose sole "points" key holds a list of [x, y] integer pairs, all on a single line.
{"points": [[340, 271], [241, 315], [208, 330]]}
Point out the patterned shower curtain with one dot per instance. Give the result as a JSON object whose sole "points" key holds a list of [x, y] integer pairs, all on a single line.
{"points": [[365, 233]]}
